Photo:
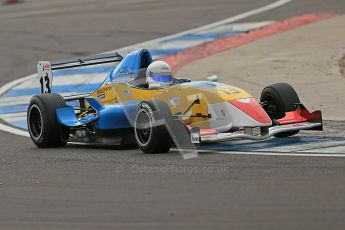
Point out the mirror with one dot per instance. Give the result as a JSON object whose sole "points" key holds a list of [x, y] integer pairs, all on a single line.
{"points": [[212, 78]]}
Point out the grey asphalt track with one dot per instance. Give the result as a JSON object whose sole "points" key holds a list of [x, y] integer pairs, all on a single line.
{"points": [[91, 188]]}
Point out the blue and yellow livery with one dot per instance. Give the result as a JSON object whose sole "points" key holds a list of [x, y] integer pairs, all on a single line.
{"points": [[123, 110]]}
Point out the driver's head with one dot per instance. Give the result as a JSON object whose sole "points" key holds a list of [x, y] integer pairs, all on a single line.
{"points": [[159, 72]]}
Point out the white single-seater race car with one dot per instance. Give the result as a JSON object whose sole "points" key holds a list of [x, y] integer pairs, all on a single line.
{"points": [[124, 109]]}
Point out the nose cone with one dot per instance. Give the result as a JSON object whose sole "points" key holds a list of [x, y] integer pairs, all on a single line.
{"points": [[253, 109]]}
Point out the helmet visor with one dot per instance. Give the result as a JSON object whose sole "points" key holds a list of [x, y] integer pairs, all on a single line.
{"points": [[164, 77]]}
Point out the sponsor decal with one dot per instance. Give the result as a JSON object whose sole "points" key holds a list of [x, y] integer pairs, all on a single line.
{"points": [[104, 89], [195, 137], [228, 90], [146, 106], [127, 93], [46, 67], [174, 101], [223, 112], [101, 96]]}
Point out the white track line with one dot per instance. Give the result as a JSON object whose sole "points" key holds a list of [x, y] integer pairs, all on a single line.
{"points": [[11, 84], [14, 130], [259, 10]]}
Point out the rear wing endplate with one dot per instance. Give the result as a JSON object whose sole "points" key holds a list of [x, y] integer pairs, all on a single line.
{"points": [[45, 68]]}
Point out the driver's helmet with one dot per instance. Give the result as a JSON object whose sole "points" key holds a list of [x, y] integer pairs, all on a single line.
{"points": [[159, 72]]}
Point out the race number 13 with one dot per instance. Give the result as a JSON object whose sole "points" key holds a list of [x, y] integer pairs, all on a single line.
{"points": [[45, 84], [45, 76]]}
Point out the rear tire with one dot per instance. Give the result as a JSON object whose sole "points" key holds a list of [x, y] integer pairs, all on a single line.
{"points": [[44, 129], [279, 98], [150, 136]]}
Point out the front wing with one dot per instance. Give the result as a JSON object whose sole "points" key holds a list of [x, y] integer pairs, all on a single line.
{"points": [[300, 119]]}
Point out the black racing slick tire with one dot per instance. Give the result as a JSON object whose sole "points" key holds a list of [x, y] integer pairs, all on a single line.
{"points": [[278, 99], [44, 129], [150, 131]]}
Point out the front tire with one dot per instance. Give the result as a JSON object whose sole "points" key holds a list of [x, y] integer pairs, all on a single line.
{"points": [[44, 129], [150, 135], [278, 99]]}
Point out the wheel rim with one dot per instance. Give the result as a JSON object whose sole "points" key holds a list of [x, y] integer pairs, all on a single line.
{"points": [[35, 122], [143, 127]]}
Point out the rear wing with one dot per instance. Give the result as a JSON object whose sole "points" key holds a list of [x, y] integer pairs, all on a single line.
{"points": [[45, 68]]}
